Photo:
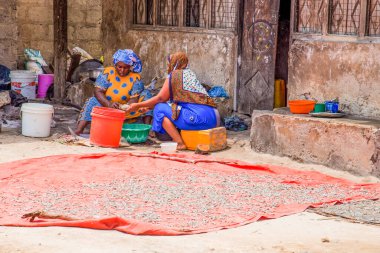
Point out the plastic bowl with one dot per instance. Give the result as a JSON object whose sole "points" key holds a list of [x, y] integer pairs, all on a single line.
{"points": [[136, 133], [168, 147], [301, 106]]}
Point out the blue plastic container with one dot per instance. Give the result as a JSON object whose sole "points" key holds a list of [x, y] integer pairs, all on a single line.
{"points": [[332, 106]]}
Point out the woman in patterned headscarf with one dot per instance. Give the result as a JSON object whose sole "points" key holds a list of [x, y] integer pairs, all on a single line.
{"points": [[189, 107], [117, 85]]}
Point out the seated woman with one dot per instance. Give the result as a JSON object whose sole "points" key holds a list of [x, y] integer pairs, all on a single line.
{"points": [[189, 107], [117, 86]]}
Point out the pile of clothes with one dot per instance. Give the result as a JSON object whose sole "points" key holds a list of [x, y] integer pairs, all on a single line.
{"points": [[234, 123]]}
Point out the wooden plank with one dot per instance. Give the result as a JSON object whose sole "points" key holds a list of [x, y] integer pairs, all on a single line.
{"points": [[60, 47], [363, 18]]}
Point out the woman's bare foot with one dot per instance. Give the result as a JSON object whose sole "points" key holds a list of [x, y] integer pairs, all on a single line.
{"points": [[181, 146], [152, 134]]}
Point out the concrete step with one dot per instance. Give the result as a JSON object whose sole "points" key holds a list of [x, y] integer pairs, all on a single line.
{"points": [[349, 144]]}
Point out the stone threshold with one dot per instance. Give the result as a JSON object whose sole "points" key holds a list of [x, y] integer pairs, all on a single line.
{"points": [[351, 144]]}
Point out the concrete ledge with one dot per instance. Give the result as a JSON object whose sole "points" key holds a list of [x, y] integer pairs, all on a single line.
{"points": [[345, 144]]}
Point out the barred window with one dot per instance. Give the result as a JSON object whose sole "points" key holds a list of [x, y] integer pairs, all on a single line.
{"points": [[339, 17], [168, 12], [373, 27], [196, 13], [208, 14], [223, 14], [309, 16], [143, 12], [344, 17]]}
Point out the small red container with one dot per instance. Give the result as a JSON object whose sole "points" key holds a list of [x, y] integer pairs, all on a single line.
{"points": [[301, 106]]}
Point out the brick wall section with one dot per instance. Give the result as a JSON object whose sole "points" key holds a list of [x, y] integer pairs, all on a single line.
{"points": [[8, 33], [35, 22]]}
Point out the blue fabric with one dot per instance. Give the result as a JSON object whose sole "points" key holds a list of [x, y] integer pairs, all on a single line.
{"points": [[137, 88], [102, 82], [128, 57], [191, 117], [4, 75], [235, 123], [218, 92]]}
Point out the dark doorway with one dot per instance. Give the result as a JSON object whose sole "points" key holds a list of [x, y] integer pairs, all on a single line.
{"points": [[283, 36]]}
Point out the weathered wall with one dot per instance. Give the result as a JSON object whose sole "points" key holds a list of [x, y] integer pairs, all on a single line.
{"points": [[8, 33], [327, 70], [322, 141], [211, 56], [35, 22]]}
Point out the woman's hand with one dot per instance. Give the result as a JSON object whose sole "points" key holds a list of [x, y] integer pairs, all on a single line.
{"points": [[132, 107]]}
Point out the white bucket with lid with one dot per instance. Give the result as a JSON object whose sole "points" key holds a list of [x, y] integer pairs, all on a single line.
{"points": [[24, 82], [36, 119]]}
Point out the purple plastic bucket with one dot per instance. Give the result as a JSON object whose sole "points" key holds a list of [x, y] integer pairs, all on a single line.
{"points": [[44, 82]]}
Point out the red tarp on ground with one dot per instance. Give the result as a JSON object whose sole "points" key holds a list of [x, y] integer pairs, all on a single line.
{"points": [[158, 194]]}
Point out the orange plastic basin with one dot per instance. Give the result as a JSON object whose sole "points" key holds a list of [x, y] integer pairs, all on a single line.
{"points": [[301, 106]]}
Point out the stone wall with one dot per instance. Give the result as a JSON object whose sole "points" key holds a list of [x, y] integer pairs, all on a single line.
{"points": [[8, 33], [35, 22], [328, 70], [342, 144], [212, 55]]}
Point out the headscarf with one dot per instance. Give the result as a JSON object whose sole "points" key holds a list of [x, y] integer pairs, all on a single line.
{"points": [[128, 57], [176, 61]]}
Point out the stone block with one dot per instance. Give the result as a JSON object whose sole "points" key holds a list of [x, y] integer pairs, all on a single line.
{"points": [[75, 16], [89, 33], [40, 14], [78, 93], [345, 144], [8, 31], [5, 99], [94, 17]]}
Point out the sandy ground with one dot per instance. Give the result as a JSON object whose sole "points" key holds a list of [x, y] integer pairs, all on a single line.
{"points": [[304, 232]]}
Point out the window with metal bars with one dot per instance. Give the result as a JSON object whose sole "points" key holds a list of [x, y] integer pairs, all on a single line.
{"points": [[143, 12], [196, 13], [344, 17], [168, 12], [208, 14], [373, 18], [309, 16], [337, 17]]}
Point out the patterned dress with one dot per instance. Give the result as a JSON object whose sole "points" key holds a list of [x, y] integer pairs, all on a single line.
{"points": [[119, 90], [190, 107]]}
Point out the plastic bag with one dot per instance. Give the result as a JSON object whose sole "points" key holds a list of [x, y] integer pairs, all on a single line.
{"points": [[218, 92], [235, 123], [34, 55]]}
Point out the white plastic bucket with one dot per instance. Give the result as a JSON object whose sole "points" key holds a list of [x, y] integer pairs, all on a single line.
{"points": [[24, 82], [36, 119]]}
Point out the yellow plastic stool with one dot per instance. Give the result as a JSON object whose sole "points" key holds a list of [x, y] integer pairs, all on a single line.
{"points": [[216, 138]]}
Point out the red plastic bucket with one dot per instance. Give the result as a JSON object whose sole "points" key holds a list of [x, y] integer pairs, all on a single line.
{"points": [[106, 127]]}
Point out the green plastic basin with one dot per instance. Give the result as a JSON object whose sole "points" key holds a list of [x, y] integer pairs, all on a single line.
{"points": [[136, 133]]}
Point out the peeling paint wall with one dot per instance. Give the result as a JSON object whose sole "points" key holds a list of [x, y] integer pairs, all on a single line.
{"points": [[350, 71], [212, 57], [8, 33]]}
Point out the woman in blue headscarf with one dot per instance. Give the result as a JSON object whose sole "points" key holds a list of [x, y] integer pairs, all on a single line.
{"points": [[118, 85]]}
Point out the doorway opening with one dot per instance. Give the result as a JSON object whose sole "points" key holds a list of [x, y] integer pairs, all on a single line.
{"points": [[283, 37]]}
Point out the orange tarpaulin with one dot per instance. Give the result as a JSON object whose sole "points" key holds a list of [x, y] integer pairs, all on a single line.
{"points": [[160, 194]]}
